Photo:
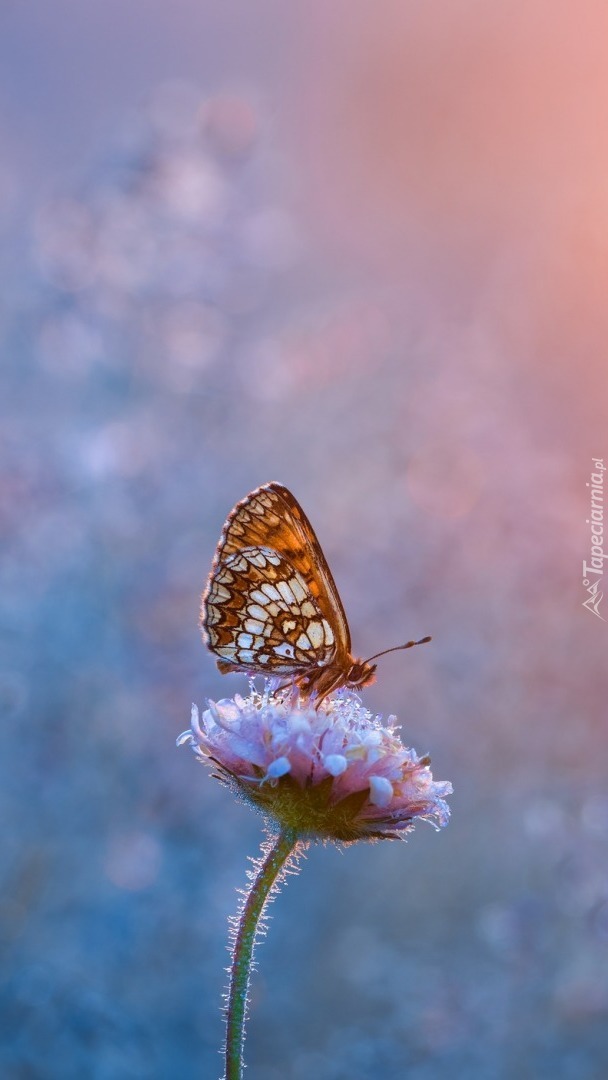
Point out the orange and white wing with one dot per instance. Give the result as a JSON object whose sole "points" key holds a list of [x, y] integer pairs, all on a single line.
{"points": [[271, 604], [259, 616]]}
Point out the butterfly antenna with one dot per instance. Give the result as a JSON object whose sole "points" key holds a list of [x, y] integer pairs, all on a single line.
{"points": [[397, 648]]}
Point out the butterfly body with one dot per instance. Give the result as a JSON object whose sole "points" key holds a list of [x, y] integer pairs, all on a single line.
{"points": [[271, 606]]}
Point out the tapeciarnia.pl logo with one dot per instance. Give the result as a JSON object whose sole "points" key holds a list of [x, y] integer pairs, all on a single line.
{"points": [[594, 569]]}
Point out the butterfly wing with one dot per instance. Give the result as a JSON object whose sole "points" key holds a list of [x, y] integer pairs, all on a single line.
{"points": [[260, 616], [271, 604]]}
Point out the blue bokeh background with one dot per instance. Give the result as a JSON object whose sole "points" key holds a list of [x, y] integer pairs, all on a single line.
{"points": [[362, 253]]}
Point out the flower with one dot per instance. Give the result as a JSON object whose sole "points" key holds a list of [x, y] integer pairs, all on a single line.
{"points": [[334, 773]]}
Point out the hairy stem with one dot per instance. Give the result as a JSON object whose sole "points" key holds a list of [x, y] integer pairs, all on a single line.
{"points": [[247, 925]]}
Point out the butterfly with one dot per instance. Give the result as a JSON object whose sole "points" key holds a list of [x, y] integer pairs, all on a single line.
{"points": [[271, 607]]}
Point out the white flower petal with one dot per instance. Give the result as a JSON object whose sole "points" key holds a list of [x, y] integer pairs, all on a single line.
{"points": [[335, 764], [298, 725], [228, 710], [380, 791], [278, 767]]}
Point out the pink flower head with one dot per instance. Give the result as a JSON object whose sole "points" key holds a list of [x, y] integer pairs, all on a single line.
{"points": [[334, 773]]}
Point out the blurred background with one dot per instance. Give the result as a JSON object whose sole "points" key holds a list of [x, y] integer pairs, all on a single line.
{"points": [[365, 253]]}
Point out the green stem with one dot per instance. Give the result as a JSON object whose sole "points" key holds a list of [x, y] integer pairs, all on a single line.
{"points": [[276, 855]]}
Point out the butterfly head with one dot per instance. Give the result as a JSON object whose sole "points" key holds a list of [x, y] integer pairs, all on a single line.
{"points": [[361, 673]]}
